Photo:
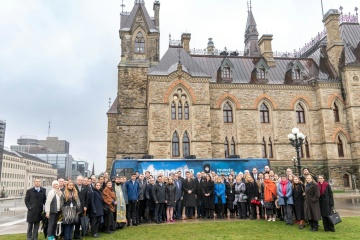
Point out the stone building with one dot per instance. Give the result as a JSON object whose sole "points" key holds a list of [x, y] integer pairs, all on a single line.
{"points": [[19, 170], [213, 103]]}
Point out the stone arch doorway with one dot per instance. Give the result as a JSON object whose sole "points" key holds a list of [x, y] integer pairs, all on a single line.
{"points": [[347, 180]]}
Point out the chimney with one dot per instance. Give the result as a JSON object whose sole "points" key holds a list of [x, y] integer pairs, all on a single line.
{"points": [[185, 41], [266, 49], [210, 47], [156, 9], [335, 44]]}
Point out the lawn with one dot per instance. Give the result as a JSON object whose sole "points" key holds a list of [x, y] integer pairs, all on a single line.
{"points": [[348, 229]]}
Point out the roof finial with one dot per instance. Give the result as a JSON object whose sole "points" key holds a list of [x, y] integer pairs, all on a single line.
{"points": [[341, 9], [122, 6], [249, 5]]}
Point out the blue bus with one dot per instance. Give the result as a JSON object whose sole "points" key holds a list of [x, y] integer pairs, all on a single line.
{"points": [[125, 167]]}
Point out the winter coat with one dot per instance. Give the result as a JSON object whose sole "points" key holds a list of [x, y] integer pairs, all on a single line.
{"points": [[149, 192], [298, 197], [240, 192], [170, 195], [207, 187], [34, 202], [132, 190], [179, 190], [326, 202], [220, 194], [230, 194], [270, 191], [83, 196], [189, 198], [142, 187], [288, 197], [311, 204], [159, 193], [97, 203], [198, 190], [252, 190], [109, 198]]}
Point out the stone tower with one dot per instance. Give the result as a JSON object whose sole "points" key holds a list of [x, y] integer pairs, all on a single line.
{"points": [[127, 117], [251, 36]]}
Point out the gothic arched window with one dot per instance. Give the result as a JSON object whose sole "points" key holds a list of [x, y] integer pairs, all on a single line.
{"points": [[175, 145], [226, 148], [186, 145], [264, 152], [307, 148], [340, 147], [271, 154], [264, 113], [180, 115], [139, 43], [173, 111], [186, 111], [336, 113], [300, 113], [228, 114], [233, 147]]}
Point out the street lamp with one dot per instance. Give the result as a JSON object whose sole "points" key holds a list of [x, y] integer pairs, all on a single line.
{"points": [[296, 139]]}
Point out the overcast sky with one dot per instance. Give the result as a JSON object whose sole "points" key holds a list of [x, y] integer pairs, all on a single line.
{"points": [[58, 58]]}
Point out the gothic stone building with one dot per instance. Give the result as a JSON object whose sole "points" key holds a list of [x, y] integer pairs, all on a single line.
{"points": [[214, 105]]}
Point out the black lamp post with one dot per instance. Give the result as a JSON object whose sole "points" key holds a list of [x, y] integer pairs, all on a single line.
{"points": [[296, 139]]}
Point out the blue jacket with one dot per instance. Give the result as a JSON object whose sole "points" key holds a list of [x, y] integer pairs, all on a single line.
{"points": [[132, 190], [219, 192], [288, 196]]}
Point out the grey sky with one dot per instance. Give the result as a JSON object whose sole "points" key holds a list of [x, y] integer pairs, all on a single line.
{"points": [[58, 58]]}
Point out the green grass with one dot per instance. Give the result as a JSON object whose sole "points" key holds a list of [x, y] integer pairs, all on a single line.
{"points": [[338, 191], [222, 230]]}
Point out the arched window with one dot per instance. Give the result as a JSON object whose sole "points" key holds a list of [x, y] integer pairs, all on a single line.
{"points": [[271, 154], [264, 152], [186, 145], [300, 113], [233, 147], [264, 113], [228, 114], [173, 111], [175, 145], [139, 43], [340, 147], [307, 148], [186, 111], [336, 113], [226, 73], [226, 148], [180, 115], [260, 73], [301, 151], [296, 73]]}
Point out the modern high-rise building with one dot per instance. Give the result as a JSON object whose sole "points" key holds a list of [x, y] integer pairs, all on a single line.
{"points": [[2, 142]]}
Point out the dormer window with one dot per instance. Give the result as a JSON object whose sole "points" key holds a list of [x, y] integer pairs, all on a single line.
{"points": [[226, 73], [139, 43], [260, 73], [296, 73]]}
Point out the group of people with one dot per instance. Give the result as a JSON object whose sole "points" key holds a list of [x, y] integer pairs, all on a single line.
{"points": [[72, 210]]}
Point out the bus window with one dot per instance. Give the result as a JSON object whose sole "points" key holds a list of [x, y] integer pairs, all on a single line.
{"points": [[125, 172]]}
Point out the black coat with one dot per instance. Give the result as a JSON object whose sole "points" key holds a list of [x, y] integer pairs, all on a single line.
{"points": [[198, 190], [208, 187], [230, 195], [326, 202], [142, 187], [149, 192], [189, 198], [252, 190], [159, 193], [83, 196], [298, 197], [97, 203], [170, 195], [34, 202], [311, 204]]}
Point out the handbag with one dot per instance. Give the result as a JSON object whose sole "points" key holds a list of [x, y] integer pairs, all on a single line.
{"points": [[69, 215], [243, 197], [335, 218]]}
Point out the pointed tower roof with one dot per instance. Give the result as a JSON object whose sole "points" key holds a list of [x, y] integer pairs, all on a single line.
{"points": [[250, 29], [251, 36], [128, 19]]}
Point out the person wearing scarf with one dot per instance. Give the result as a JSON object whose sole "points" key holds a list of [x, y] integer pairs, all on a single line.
{"points": [[285, 201], [270, 194], [311, 204], [53, 206], [326, 203]]}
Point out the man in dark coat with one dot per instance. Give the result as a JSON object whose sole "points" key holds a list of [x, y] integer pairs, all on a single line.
{"points": [[150, 202], [326, 203], [199, 202], [178, 197], [189, 188], [159, 198], [34, 200], [142, 201], [83, 196]]}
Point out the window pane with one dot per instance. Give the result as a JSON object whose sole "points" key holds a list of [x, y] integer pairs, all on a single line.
{"points": [[186, 111], [179, 111]]}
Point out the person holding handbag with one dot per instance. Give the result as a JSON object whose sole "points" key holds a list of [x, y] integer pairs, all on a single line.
{"points": [[53, 206], [298, 196], [252, 192], [70, 210], [270, 193], [326, 203]]}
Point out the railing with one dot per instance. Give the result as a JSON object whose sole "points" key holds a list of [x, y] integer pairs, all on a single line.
{"points": [[175, 43]]}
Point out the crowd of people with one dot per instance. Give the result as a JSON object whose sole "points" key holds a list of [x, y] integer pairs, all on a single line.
{"points": [[72, 210]]}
